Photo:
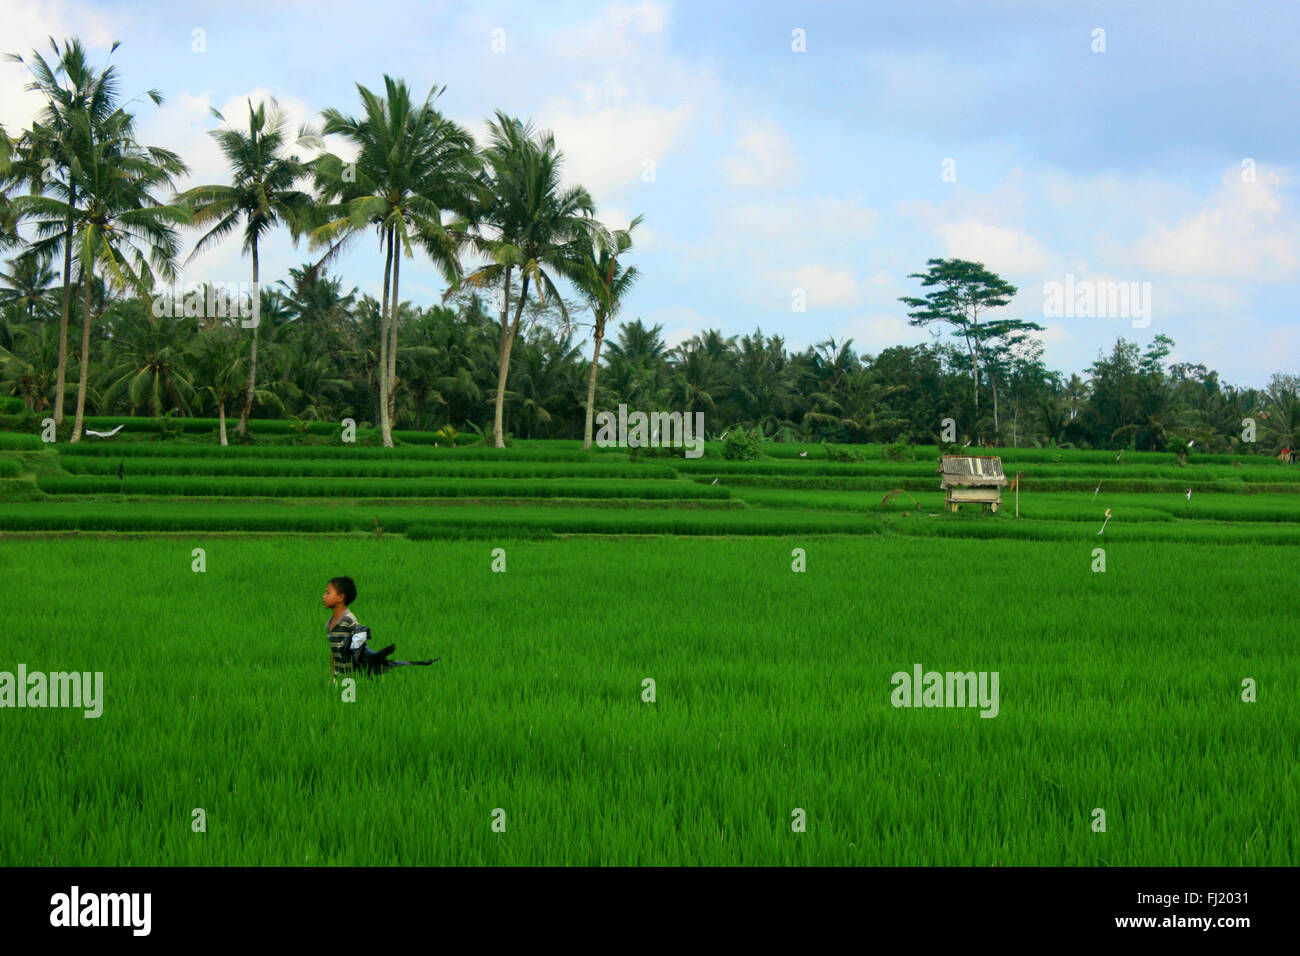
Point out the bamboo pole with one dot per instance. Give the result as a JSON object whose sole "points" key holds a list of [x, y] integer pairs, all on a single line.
{"points": [[1018, 494]]}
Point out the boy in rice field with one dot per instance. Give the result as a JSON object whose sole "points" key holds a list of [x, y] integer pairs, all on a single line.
{"points": [[342, 628], [339, 593]]}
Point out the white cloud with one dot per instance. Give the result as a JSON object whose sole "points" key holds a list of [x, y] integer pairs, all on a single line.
{"points": [[824, 286], [610, 90], [766, 160], [631, 103], [1002, 249], [1247, 232], [611, 148]]}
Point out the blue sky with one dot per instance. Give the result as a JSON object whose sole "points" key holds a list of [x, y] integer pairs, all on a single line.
{"points": [[1169, 158]]}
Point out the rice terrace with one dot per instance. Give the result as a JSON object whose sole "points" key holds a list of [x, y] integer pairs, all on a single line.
{"points": [[709, 599], [1119, 689]]}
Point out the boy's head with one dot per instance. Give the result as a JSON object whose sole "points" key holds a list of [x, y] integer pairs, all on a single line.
{"points": [[339, 591]]}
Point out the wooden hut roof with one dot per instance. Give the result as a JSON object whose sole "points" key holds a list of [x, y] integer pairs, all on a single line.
{"points": [[971, 471]]}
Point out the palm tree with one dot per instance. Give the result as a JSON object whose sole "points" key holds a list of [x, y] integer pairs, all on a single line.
{"points": [[1054, 417], [833, 362], [26, 284], [638, 363], [121, 227], [262, 195], [1156, 419], [695, 379], [217, 364], [529, 223], [48, 151], [544, 379], [28, 359], [8, 223], [765, 388], [823, 372], [148, 361], [412, 163], [442, 357], [318, 306], [867, 414], [1282, 413], [604, 284]]}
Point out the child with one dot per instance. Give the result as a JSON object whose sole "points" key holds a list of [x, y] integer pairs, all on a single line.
{"points": [[339, 593]]}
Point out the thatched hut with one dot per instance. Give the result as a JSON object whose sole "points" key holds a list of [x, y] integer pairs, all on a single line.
{"points": [[969, 479]]}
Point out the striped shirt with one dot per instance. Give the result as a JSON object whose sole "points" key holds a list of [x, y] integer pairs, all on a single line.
{"points": [[340, 637]]}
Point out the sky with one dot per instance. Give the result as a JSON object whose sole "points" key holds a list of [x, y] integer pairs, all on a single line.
{"points": [[795, 163]]}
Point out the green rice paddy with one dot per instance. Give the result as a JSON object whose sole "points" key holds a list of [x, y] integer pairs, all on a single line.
{"points": [[1119, 690]]}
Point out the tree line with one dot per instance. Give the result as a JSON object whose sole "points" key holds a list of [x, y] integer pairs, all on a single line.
{"points": [[94, 223]]}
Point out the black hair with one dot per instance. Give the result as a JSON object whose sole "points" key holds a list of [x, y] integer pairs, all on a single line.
{"points": [[346, 587]]}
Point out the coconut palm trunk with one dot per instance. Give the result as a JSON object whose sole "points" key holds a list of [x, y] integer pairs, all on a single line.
{"points": [[395, 310], [505, 328], [242, 428], [221, 418], [604, 285], [507, 345], [84, 371], [591, 385], [385, 424], [61, 375]]}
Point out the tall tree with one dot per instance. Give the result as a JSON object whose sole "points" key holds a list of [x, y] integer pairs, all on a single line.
{"points": [[604, 284], [412, 164], [77, 97], [262, 194], [121, 228], [218, 369], [529, 222], [1001, 340], [965, 290], [8, 220]]}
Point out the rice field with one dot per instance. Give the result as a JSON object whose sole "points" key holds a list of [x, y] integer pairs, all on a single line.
{"points": [[771, 616], [1118, 691]]}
